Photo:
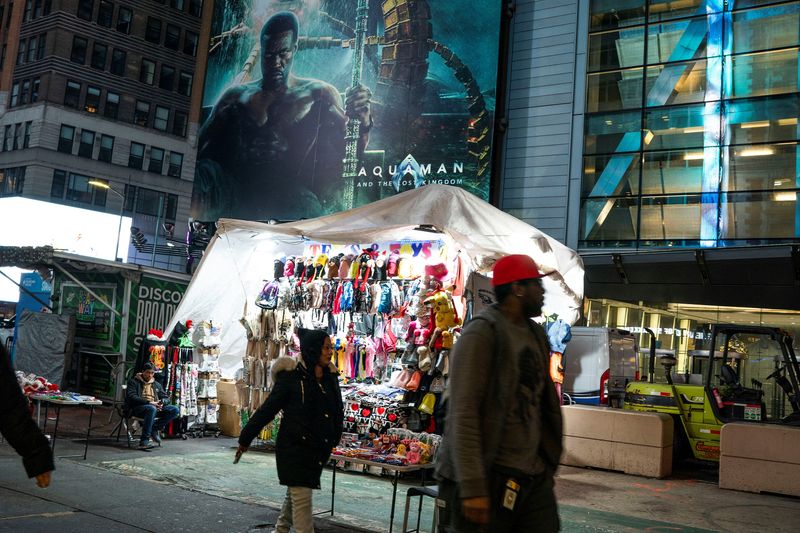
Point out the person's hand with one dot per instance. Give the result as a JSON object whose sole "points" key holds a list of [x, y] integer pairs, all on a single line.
{"points": [[43, 480], [356, 104], [239, 451], [476, 510], [155, 404]]}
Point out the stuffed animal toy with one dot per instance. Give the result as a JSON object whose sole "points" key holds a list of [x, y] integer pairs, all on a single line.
{"points": [[288, 269], [444, 311]]}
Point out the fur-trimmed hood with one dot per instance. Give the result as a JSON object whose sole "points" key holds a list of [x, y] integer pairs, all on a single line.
{"points": [[289, 364]]}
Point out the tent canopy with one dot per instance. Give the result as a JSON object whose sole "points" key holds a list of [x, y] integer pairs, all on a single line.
{"points": [[241, 254]]}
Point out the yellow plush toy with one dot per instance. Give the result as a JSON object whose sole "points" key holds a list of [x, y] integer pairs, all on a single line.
{"points": [[443, 310]]}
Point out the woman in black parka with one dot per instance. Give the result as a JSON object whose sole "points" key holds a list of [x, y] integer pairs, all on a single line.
{"points": [[307, 392]]}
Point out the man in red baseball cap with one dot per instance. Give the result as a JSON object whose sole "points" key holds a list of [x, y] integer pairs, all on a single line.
{"points": [[502, 440]]}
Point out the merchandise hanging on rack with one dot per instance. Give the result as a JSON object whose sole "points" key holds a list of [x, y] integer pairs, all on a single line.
{"points": [[410, 264], [204, 375]]}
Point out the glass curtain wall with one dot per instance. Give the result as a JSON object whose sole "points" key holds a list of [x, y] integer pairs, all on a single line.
{"points": [[691, 131]]}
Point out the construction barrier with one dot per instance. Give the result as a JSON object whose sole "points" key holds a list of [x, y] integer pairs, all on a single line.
{"points": [[760, 458], [613, 439]]}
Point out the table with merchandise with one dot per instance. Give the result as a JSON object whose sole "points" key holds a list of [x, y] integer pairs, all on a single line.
{"points": [[63, 400], [399, 452]]}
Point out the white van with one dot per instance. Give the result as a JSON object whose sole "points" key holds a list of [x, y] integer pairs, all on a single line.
{"points": [[598, 363]]}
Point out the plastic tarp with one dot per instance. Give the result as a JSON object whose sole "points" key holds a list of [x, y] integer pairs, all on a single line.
{"points": [[241, 254], [42, 342]]}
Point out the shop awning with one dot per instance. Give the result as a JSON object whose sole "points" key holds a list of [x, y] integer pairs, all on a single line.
{"points": [[240, 255]]}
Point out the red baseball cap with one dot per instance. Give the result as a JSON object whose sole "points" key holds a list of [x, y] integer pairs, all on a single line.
{"points": [[515, 267]]}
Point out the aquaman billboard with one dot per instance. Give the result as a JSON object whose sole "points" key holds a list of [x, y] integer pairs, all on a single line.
{"points": [[317, 106]]}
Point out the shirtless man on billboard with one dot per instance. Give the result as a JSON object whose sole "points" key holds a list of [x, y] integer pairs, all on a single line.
{"points": [[273, 148]]}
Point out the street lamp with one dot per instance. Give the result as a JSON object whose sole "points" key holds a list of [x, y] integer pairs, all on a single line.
{"points": [[106, 186]]}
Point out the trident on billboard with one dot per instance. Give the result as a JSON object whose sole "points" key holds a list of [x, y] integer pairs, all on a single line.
{"points": [[350, 167]]}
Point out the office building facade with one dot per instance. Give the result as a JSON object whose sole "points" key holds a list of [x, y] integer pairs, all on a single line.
{"points": [[101, 90], [660, 139]]}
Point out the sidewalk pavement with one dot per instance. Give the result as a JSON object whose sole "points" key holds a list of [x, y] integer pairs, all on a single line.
{"points": [[192, 486]]}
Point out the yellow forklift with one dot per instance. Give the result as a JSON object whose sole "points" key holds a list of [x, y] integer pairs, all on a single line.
{"points": [[749, 373]]}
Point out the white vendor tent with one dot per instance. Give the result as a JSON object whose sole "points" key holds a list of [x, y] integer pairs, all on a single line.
{"points": [[241, 254]]}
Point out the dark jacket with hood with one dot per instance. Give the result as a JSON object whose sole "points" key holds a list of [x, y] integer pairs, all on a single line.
{"points": [[133, 392], [311, 425], [17, 426]]}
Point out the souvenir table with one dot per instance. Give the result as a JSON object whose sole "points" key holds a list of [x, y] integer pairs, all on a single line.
{"points": [[396, 469], [59, 401]]}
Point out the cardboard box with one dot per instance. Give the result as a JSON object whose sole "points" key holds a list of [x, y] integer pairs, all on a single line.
{"points": [[226, 392], [229, 421]]}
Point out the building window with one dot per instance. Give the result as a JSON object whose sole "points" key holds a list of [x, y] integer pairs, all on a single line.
{"points": [[66, 138], [9, 13], [175, 164], [12, 181], [176, 4], [172, 38], [130, 198], [17, 136], [147, 72], [124, 17], [112, 105], [35, 90], [25, 93], [99, 53], [118, 59], [185, 83], [33, 43], [58, 185], [21, 52], [161, 118], [148, 201], [85, 9], [141, 115], [92, 103], [7, 138], [14, 94], [42, 43], [166, 80], [78, 54], [86, 146], [156, 164], [106, 148], [153, 31], [3, 56], [196, 8], [136, 156], [179, 122], [79, 190], [26, 15], [26, 136], [72, 94], [189, 43], [105, 15]]}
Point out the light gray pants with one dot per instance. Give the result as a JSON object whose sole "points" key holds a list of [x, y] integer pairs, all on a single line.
{"points": [[296, 511]]}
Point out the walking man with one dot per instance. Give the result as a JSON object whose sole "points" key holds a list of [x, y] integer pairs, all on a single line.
{"points": [[502, 440]]}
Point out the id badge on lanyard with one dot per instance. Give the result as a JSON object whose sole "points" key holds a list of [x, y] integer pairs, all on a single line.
{"points": [[510, 495]]}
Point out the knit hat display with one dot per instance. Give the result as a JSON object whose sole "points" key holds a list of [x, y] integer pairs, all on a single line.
{"points": [[311, 341], [515, 267]]}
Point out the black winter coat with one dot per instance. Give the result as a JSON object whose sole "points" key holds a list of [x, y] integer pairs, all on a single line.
{"points": [[18, 427], [133, 393], [311, 425]]}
